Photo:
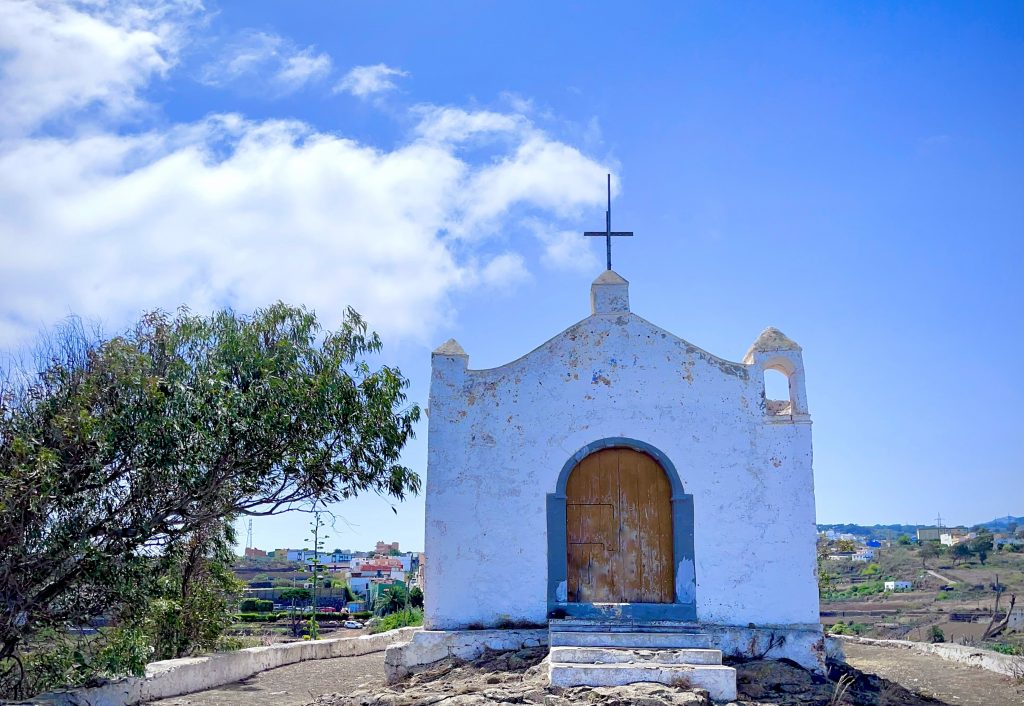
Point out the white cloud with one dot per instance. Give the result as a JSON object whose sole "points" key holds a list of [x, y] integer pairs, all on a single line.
{"points": [[505, 270], [453, 125], [363, 81], [235, 211], [67, 56], [264, 60], [567, 250], [303, 67]]}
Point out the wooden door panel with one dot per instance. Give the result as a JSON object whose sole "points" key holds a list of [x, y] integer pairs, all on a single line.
{"points": [[592, 527], [619, 530], [655, 532]]}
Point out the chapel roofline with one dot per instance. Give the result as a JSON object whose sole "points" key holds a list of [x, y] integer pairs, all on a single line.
{"points": [[609, 295]]}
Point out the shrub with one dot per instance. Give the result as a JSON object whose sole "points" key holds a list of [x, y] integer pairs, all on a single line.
{"points": [[1001, 648], [400, 619], [69, 662], [255, 605]]}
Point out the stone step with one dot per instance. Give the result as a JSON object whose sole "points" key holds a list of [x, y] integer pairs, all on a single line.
{"points": [[589, 625], [629, 640], [619, 655], [719, 681]]}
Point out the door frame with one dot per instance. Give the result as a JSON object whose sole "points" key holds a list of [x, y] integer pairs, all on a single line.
{"points": [[684, 570]]}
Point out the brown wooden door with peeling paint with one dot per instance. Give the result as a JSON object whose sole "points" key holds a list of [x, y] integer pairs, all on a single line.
{"points": [[619, 527]]}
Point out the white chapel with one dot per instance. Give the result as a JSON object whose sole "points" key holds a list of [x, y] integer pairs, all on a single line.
{"points": [[620, 488]]}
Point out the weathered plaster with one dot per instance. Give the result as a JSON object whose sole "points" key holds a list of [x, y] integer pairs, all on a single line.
{"points": [[499, 439], [429, 646]]}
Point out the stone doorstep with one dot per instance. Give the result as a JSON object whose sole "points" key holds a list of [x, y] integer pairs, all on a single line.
{"points": [[591, 625], [641, 640], [618, 655], [719, 681]]}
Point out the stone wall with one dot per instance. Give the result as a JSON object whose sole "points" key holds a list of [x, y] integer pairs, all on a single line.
{"points": [[961, 654], [429, 646]]}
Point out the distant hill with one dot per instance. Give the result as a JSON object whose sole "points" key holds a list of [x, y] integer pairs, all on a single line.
{"points": [[872, 531], [894, 531], [1001, 523]]}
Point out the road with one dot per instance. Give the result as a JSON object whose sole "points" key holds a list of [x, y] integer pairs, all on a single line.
{"points": [[940, 577], [931, 676]]}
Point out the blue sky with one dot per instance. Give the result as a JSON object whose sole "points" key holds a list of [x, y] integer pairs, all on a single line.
{"points": [[852, 174]]}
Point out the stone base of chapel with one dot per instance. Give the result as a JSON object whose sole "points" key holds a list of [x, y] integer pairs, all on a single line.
{"points": [[601, 653]]}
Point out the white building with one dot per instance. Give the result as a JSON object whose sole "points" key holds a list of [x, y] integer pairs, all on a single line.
{"points": [[620, 472], [864, 555], [897, 586], [953, 538]]}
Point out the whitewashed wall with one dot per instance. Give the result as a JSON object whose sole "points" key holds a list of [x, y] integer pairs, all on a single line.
{"points": [[498, 439]]}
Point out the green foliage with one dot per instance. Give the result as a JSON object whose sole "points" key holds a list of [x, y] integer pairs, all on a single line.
{"points": [[295, 595], [826, 579], [255, 605], [400, 619], [61, 659], [871, 570], [981, 546], [391, 600], [416, 597], [116, 453], [1012, 650], [842, 628], [903, 540], [928, 550], [960, 552], [936, 634], [195, 594], [867, 588]]}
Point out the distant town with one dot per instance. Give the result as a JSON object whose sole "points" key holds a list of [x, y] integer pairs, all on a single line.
{"points": [[345, 580], [928, 583]]}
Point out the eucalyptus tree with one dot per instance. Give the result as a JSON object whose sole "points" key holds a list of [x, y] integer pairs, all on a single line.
{"points": [[116, 451]]}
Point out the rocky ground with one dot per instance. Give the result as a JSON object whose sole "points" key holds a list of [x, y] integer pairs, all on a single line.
{"points": [[521, 678]]}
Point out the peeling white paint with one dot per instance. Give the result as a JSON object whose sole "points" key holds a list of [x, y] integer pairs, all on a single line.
{"points": [[685, 579]]}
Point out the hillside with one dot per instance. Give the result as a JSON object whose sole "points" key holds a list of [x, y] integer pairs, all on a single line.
{"points": [[880, 532]]}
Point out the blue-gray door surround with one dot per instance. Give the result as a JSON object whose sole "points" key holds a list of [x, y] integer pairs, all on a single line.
{"points": [[685, 605]]}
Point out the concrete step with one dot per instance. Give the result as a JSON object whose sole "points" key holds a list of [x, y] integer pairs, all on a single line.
{"points": [[718, 680], [618, 655], [629, 640], [591, 625]]}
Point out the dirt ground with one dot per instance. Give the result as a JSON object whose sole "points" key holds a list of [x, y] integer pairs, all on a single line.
{"points": [[293, 685], [349, 680], [944, 681]]}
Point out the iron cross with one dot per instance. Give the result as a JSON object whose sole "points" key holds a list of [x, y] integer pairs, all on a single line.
{"points": [[607, 233]]}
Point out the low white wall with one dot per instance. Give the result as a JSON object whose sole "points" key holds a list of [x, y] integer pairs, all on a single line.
{"points": [[962, 654], [175, 677], [429, 646], [804, 645]]}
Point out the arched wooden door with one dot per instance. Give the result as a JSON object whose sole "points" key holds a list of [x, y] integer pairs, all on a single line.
{"points": [[619, 529]]}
